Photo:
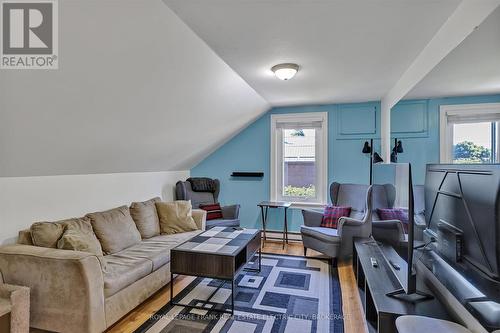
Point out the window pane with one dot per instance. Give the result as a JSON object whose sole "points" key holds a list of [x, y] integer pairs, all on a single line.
{"points": [[472, 143], [299, 163]]}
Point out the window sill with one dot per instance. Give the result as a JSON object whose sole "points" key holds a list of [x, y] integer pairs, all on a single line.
{"points": [[307, 205]]}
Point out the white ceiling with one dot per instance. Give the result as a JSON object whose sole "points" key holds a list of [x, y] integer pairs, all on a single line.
{"points": [[348, 50], [136, 90], [472, 68]]}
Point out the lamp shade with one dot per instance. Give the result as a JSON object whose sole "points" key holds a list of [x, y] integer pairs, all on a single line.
{"points": [[366, 148], [399, 147], [377, 158]]}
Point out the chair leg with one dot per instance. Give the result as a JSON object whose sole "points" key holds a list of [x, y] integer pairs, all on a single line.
{"points": [[334, 262], [305, 251]]}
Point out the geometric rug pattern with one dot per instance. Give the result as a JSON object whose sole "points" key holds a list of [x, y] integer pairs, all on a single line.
{"points": [[290, 294]]}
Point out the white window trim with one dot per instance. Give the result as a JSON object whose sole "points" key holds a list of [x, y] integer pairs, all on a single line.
{"points": [[446, 130], [322, 157]]}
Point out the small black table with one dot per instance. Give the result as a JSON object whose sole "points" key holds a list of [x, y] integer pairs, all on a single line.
{"points": [[264, 206]]}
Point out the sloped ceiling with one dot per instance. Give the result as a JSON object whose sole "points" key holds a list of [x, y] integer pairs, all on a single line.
{"points": [[136, 90], [473, 68], [348, 50]]}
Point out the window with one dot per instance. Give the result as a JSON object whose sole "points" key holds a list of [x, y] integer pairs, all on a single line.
{"points": [[299, 157], [469, 133]]}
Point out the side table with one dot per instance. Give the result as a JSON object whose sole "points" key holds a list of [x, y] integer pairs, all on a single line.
{"points": [[264, 206]]}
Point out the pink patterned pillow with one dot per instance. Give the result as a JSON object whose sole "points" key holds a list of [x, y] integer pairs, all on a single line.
{"points": [[394, 214], [332, 214]]}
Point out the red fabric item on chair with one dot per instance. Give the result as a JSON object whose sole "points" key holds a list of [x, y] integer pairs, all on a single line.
{"points": [[214, 212], [332, 214]]}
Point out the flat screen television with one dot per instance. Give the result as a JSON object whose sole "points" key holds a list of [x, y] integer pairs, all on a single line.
{"points": [[399, 176], [462, 209]]}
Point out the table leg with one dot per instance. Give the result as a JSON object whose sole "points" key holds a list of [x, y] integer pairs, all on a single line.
{"points": [[263, 221], [171, 289], [232, 296], [260, 259], [285, 231]]}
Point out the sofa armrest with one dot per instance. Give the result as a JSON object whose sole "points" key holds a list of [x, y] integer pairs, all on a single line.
{"points": [[66, 287], [230, 212], [312, 218], [200, 218], [19, 302]]}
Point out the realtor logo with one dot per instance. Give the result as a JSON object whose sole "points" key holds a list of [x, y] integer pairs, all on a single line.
{"points": [[29, 34]]}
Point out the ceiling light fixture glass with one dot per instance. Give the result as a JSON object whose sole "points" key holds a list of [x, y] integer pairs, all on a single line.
{"points": [[285, 71]]}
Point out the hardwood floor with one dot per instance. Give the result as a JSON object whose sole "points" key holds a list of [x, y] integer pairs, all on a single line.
{"points": [[351, 304]]}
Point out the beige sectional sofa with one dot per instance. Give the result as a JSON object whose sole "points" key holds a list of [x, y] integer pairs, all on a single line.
{"points": [[77, 291]]}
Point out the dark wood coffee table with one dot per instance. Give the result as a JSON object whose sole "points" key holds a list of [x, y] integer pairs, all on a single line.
{"points": [[219, 253]]}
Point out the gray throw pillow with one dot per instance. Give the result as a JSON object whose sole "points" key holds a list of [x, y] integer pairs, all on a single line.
{"points": [[79, 236], [46, 234], [115, 229], [146, 218]]}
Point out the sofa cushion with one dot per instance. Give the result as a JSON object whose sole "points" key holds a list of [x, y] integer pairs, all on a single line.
{"points": [[175, 217], [46, 234], [145, 217], [323, 234], [79, 236], [123, 269], [157, 248], [115, 229], [222, 223]]}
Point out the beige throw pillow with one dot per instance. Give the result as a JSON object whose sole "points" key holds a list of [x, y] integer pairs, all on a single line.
{"points": [[146, 217], [79, 236], [175, 217], [115, 229], [46, 234]]}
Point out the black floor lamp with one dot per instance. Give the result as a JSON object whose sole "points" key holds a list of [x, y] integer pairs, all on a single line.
{"points": [[374, 157], [398, 148]]}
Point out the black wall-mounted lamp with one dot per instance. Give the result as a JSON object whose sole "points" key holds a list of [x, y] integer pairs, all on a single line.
{"points": [[374, 157]]}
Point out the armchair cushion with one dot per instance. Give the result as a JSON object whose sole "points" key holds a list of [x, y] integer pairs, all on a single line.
{"points": [[332, 214], [214, 211], [328, 235]]}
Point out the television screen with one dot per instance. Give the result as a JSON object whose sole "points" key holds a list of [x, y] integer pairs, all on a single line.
{"points": [[462, 214]]}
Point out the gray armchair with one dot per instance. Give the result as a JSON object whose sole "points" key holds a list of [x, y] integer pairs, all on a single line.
{"points": [[338, 242], [206, 191], [392, 231]]}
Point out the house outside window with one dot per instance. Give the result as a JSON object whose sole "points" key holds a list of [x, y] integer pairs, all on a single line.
{"points": [[469, 133], [299, 157]]}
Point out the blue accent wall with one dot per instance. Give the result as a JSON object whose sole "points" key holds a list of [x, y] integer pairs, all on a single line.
{"points": [[415, 122]]}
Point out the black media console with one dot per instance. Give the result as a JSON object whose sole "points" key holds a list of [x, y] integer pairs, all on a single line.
{"points": [[375, 281]]}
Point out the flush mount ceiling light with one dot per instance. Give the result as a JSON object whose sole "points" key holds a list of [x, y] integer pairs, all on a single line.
{"points": [[285, 71]]}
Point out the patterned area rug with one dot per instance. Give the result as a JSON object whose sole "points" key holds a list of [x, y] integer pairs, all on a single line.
{"points": [[290, 294]]}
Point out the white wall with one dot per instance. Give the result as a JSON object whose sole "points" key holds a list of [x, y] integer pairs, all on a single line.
{"points": [[24, 200]]}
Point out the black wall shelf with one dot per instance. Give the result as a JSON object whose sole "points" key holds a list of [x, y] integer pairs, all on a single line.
{"points": [[247, 174]]}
